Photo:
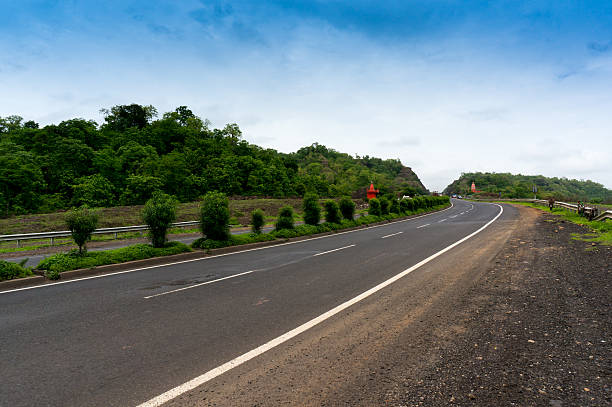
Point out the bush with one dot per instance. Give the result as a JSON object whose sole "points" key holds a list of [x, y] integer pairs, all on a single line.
{"points": [[10, 270], [159, 212], [73, 260], [395, 206], [332, 212], [285, 218], [384, 206], [347, 208], [81, 222], [214, 216], [311, 208], [257, 221], [374, 207]]}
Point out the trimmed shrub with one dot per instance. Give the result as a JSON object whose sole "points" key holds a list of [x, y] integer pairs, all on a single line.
{"points": [[332, 212], [374, 209], [384, 206], [257, 221], [285, 218], [347, 208], [158, 213], [311, 208], [81, 222], [395, 206], [215, 216], [10, 270]]}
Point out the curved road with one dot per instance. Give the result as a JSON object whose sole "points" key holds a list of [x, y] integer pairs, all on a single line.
{"points": [[125, 339]]}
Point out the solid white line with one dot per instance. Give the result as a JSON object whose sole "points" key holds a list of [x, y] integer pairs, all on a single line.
{"points": [[392, 234], [422, 226], [333, 250], [217, 255], [211, 374], [201, 284]]}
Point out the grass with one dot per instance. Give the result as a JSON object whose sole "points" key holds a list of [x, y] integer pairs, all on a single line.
{"points": [[9, 270], [72, 260], [240, 210], [600, 231]]}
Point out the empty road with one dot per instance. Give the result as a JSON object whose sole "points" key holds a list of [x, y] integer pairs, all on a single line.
{"points": [[127, 339]]}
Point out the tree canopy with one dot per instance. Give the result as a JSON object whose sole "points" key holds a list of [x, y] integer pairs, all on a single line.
{"points": [[134, 153], [521, 186]]}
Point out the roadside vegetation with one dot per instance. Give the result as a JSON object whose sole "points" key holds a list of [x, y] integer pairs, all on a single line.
{"points": [[9, 270], [600, 231], [135, 152], [73, 260], [160, 211]]}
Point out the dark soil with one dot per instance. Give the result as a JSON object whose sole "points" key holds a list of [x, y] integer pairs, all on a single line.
{"points": [[536, 331]]}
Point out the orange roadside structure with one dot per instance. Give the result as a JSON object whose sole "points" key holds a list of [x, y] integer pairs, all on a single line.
{"points": [[372, 192]]}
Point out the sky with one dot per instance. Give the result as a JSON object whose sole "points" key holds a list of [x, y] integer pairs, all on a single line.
{"points": [[446, 86]]}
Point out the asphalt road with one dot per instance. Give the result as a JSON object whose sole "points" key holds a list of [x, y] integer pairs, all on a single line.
{"points": [[125, 339]]}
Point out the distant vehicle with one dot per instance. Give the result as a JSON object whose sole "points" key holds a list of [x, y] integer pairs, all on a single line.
{"points": [[459, 197], [454, 196]]}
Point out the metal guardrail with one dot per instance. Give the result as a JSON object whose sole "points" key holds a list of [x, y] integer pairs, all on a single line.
{"points": [[102, 231]]}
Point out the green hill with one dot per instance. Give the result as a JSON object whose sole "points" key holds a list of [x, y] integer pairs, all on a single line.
{"points": [[132, 154], [521, 186]]}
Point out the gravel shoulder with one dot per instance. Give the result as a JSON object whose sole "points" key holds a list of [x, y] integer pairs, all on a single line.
{"points": [[519, 316]]}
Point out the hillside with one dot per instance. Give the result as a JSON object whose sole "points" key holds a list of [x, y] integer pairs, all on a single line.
{"points": [[521, 186], [132, 154]]}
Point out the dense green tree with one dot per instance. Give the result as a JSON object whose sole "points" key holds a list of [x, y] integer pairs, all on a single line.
{"points": [[158, 213], [21, 180], [81, 222], [311, 209], [347, 207], [332, 212], [285, 218], [139, 189], [214, 216], [93, 191]]}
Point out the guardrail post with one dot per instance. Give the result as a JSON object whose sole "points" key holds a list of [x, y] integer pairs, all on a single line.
{"points": [[18, 245], [52, 239], [115, 235]]}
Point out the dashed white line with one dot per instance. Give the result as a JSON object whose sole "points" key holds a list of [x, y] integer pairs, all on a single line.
{"points": [[422, 226], [76, 280], [454, 216], [392, 234], [333, 250], [211, 374], [442, 220], [201, 284]]}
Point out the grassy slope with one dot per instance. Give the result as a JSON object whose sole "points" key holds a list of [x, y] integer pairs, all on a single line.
{"points": [[130, 215]]}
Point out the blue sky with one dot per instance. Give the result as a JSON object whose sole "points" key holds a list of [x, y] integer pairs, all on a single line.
{"points": [[445, 86]]}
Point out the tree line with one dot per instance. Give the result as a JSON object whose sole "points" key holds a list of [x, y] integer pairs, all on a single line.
{"points": [[521, 186], [134, 153]]}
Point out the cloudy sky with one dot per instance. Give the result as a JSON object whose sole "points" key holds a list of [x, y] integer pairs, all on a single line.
{"points": [[446, 86]]}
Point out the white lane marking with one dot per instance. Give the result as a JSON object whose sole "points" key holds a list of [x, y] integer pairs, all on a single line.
{"points": [[201, 284], [392, 234], [216, 255], [333, 250], [462, 213], [454, 216], [422, 226], [442, 220], [211, 374]]}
